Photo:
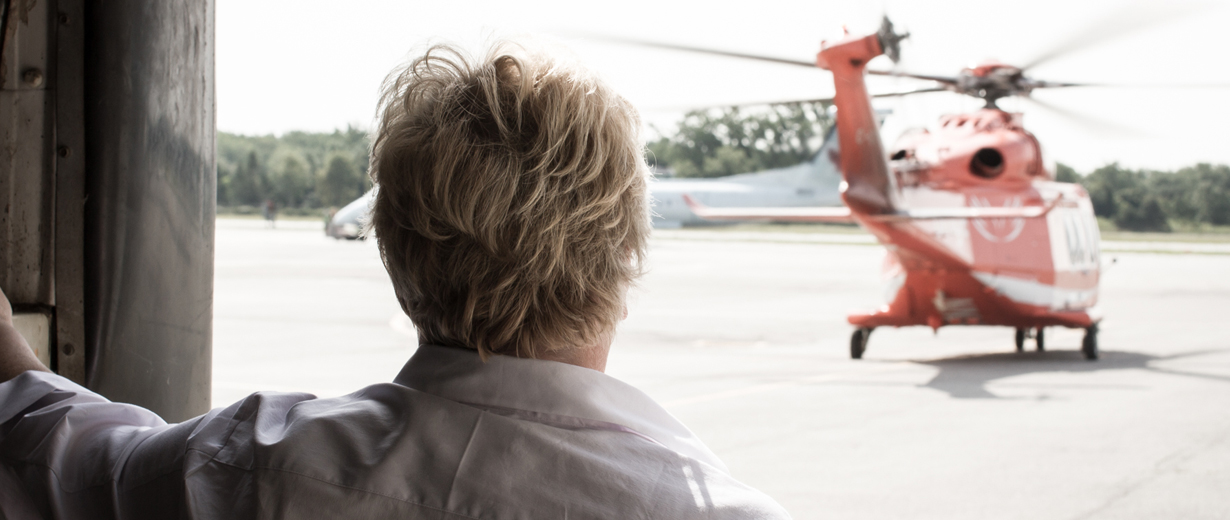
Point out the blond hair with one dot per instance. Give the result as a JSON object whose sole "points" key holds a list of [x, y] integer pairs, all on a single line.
{"points": [[511, 209]]}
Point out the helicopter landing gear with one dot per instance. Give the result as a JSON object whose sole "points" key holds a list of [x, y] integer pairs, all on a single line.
{"points": [[1020, 340], [1040, 339], [858, 342], [1089, 345]]}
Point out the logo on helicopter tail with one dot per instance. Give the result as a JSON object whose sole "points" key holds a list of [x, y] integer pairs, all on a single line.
{"points": [[998, 230]]}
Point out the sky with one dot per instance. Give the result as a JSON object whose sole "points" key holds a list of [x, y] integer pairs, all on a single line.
{"points": [[316, 66]]}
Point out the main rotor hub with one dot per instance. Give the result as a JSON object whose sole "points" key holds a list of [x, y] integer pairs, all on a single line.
{"points": [[992, 82], [890, 41]]}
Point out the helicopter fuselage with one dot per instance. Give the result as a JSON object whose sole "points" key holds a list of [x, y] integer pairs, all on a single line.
{"points": [[1025, 270]]}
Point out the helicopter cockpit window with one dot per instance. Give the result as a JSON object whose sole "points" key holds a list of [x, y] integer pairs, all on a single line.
{"points": [[988, 163]]}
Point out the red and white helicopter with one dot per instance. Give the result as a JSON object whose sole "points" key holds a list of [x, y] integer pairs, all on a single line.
{"points": [[977, 230]]}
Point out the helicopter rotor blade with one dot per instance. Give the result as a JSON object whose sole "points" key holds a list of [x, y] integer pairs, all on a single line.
{"points": [[1034, 84], [699, 50], [947, 80], [909, 92], [1115, 25], [876, 96], [799, 101], [1090, 122], [1057, 84]]}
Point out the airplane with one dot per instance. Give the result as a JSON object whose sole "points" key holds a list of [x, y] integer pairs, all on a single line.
{"points": [[976, 229], [348, 222], [814, 182]]}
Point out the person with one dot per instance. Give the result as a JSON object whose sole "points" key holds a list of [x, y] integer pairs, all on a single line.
{"points": [[512, 217], [269, 210]]}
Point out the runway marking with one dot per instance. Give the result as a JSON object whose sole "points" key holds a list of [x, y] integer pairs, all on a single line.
{"points": [[903, 366]]}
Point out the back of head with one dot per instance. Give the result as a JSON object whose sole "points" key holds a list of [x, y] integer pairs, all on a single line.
{"points": [[511, 209]]}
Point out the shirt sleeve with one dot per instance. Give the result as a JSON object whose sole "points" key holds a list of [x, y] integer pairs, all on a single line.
{"points": [[67, 452], [78, 455]]}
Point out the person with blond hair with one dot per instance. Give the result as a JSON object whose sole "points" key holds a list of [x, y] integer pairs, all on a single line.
{"points": [[512, 216]]}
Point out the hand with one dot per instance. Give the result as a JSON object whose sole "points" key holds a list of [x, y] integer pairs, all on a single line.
{"points": [[15, 354]]}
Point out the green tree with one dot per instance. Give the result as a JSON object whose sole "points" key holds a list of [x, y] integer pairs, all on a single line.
{"points": [[715, 143], [292, 184], [729, 160], [342, 182], [1177, 193], [1103, 183], [1212, 193], [223, 183], [318, 148], [247, 184], [1065, 173], [1139, 210], [240, 157]]}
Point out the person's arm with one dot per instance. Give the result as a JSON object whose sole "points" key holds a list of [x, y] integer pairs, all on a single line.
{"points": [[15, 354]]}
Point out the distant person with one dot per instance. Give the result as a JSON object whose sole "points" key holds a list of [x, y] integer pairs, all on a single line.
{"points": [[270, 211], [512, 218]]}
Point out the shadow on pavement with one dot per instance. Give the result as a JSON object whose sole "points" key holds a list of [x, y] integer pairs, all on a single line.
{"points": [[966, 377]]}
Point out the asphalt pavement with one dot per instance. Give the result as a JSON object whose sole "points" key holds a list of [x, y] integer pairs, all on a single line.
{"points": [[744, 339]]}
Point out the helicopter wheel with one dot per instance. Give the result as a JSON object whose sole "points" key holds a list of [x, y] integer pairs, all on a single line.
{"points": [[1089, 345], [858, 343], [1040, 340], [1020, 340]]}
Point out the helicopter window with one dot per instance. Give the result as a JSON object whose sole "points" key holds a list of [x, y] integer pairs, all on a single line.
{"points": [[987, 163]]}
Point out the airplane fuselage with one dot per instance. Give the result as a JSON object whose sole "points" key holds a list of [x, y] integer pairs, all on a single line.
{"points": [[813, 183]]}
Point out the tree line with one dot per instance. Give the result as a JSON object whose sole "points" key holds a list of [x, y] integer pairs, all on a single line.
{"points": [[720, 142], [1151, 200], [301, 172], [304, 172]]}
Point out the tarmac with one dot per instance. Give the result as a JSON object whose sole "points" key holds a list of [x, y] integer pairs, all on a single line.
{"points": [[744, 339]]}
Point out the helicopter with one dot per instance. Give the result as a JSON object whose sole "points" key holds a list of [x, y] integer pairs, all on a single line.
{"points": [[976, 229]]}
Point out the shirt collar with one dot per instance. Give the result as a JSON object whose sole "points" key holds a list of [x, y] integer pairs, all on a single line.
{"points": [[549, 387]]}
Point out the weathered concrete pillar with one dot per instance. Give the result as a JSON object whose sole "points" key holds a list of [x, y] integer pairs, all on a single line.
{"points": [[107, 192], [151, 196]]}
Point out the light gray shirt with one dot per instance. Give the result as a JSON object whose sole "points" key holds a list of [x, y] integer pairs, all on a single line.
{"points": [[451, 438]]}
